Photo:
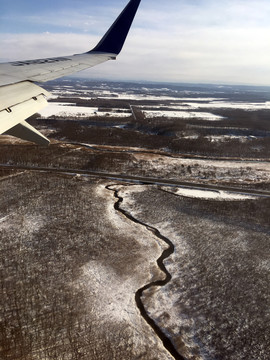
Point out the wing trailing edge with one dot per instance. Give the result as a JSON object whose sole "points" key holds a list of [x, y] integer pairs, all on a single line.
{"points": [[18, 102], [27, 132]]}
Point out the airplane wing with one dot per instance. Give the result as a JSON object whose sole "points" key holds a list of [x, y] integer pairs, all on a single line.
{"points": [[20, 97]]}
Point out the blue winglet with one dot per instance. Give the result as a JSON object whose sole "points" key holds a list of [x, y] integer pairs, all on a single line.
{"points": [[113, 40]]}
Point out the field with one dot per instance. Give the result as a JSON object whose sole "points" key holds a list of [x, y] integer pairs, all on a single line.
{"points": [[142, 231]]}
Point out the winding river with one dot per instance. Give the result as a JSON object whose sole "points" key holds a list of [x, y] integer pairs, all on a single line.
{"points": [[167, 342]]}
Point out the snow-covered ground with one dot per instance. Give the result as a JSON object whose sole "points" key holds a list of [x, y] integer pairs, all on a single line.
{"points": [[191, 102], [220, 138], [172, 106], [226, 105], [219, 273], [182, 114], [211, 195], [67, 110]]}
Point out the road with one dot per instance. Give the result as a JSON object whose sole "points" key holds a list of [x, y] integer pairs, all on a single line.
{"points": [[142, 179]]}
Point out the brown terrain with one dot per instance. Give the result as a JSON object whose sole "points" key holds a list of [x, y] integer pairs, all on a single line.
{"points": [[109, 267]]}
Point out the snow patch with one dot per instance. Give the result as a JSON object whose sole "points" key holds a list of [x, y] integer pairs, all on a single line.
{"points": [[69, 109], [3, 219], [211, 194], [27, 223], [229, 105], [114, 295], [182, 114]]}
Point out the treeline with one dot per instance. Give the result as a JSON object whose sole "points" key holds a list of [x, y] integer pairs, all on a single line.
{"points": [[164, 138], [42, 314]]}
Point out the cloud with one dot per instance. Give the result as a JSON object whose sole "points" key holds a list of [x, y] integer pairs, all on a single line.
{"points": [[225, 56], [206, 13], [181, 41], [94, 19], [30, 46]]}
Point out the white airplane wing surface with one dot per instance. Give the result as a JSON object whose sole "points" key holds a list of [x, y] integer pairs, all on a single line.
{"points": [[20, 97]]}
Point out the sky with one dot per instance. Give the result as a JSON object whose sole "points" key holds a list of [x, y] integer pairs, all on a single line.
{"points": [[183, 41]]}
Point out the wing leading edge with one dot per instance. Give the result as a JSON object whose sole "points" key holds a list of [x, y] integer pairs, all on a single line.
{"points": [[21, 98]]}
